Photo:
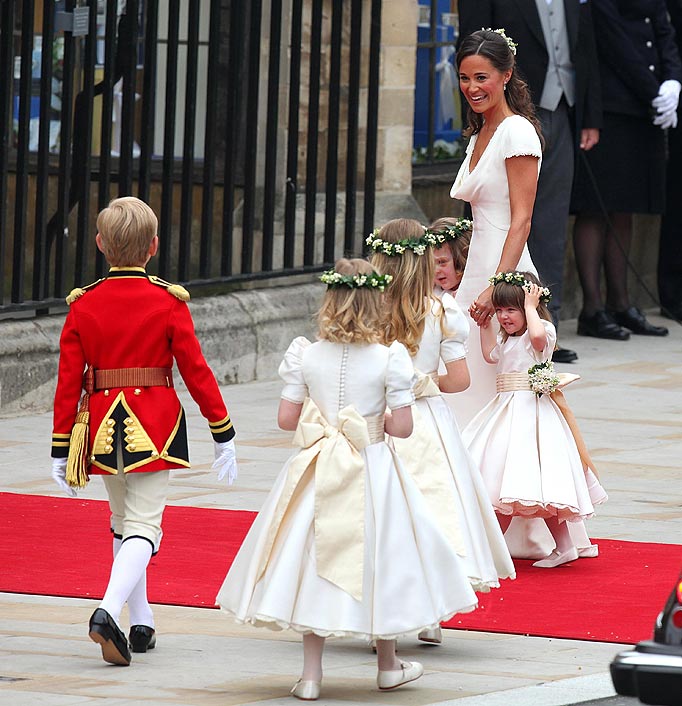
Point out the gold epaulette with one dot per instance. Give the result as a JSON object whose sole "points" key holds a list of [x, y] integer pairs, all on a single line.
{"points": [[80, 291], [177, 290]]}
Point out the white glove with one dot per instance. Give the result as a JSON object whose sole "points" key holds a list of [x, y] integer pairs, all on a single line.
{"points": [[59, 476], [668, 97], [666, 120], [225, 460]]}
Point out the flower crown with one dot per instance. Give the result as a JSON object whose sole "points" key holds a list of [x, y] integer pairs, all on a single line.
{"points": [[520, 281], [510, 42], [371, 280], [431, 238]]}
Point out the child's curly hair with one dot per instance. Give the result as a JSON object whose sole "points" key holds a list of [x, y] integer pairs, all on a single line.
{"points": [[351, 315]]}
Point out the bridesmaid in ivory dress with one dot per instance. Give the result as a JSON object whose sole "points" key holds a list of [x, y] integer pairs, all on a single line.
{"points": [[498, 177]]}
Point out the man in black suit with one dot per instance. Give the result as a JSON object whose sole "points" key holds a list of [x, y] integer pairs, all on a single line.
{"points": [[557, 57]]}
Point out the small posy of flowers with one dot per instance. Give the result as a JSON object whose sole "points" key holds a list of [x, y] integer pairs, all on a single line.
{"points": [[371, 280], [520, 281], [542, 378], [510, 42]]}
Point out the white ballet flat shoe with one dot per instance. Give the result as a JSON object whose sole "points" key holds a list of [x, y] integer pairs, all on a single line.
{"points": [[393, 678], [434, 636], [557, 558], [589, 552], [306, 690]]}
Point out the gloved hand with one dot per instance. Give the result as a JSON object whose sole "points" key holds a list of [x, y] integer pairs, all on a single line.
{"points": [[668, 97], [225, 460], [59, 476], [666, 120]]}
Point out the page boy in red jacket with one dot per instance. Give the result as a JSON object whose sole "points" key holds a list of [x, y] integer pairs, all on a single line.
{"points": [[119, 341]]}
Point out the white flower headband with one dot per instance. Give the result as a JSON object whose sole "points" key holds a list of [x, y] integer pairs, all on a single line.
{"points": [[431, 238], [510, 42], [370, 280], [519, 281]]}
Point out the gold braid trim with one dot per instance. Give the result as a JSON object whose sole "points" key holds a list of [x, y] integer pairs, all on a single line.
{"points": [[177, 290], [78, 292]]}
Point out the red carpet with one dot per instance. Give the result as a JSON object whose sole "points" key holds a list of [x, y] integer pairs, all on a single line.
{"points": [[60, 547]]}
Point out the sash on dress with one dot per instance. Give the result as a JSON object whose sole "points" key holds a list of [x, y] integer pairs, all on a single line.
{"points": [[423, 456], [332, 453]]}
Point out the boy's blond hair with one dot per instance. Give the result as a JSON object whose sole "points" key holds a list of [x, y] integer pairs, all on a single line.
{"points": [[459, 247], [127, 227], [351, 315], [411, 292]]}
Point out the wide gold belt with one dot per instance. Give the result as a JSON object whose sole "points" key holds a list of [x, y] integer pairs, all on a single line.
{"points": [[375, 427], [511, 382], [133, 377]]}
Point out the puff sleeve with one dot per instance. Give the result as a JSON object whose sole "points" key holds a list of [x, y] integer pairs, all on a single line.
{"points": [[546, 352], [495, 352], [519, 138], [291, 371], [454, 344], [400, 377]]}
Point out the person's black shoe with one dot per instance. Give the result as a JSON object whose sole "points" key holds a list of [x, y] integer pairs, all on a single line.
{"points": [[105, 632], [601, 325], [142, 638], [564, 355], [633, 319]]}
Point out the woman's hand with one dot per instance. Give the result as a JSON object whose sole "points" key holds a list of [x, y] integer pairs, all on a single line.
{"points": [[481, 311]]}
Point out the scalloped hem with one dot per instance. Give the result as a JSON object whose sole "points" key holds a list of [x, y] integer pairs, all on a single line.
{"points": [[480, 586], [265, 621], [544, 511]]}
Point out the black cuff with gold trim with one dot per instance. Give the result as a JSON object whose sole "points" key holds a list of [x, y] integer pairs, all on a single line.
{"points": [[60, 445], [222, 430]]}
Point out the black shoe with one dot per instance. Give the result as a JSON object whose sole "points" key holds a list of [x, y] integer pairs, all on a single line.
{"points": [[105, 632], [601, 325], [564, 355], [635, 320], [142, 638]]}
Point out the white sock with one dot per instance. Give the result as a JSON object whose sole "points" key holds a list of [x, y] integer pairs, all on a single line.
{"points": [[130, 565], [140, 612]]}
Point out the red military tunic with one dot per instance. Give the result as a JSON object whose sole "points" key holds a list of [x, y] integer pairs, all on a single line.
{"points": [[132, 320]]}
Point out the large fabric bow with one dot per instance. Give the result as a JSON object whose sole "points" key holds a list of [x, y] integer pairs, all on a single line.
{"points": [[332, 453]]}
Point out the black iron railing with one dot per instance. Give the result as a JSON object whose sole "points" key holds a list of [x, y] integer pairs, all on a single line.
{"points": [[203, 108]]}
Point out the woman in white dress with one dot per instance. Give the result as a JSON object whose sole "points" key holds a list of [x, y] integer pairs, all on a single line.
{"points": [[434, 331], [498, 177], [345, 530], [521, 440]]}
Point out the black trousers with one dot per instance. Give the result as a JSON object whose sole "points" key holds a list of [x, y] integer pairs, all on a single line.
{"points": [[670, 245]]}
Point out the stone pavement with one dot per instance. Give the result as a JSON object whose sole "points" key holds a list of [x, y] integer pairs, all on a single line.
{"points": [[629, 410]]}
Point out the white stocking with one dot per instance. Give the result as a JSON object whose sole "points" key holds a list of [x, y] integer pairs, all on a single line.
{"points": [[312, 657], [140, 612], [130, 565]]}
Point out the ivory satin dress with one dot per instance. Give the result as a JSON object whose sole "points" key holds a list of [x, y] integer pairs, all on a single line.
{"points": [[487, 190], [447, 474], [524, 446], [347, 547]]}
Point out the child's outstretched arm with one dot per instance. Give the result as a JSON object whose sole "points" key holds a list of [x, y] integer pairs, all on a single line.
{"points": [[536, 331], [288, 414], [488, 341], [457, 378]]}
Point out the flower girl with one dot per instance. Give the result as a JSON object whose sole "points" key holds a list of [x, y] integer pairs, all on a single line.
{"points": [[434, 331], [345, 544], [522, 440]]}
